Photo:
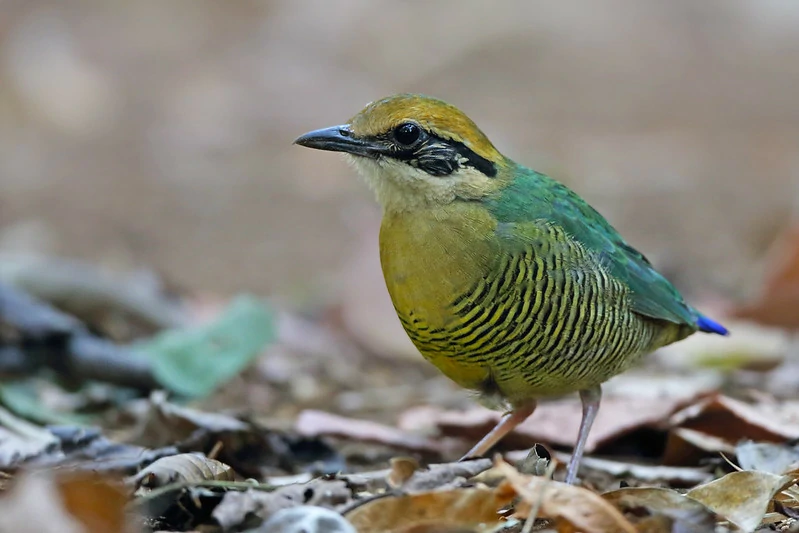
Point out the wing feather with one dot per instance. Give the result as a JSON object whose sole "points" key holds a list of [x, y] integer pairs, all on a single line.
{"points": [[533, 196]]}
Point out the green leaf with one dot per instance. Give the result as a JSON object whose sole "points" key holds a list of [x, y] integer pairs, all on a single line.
{"points": [[195, 361], [23, 399]]}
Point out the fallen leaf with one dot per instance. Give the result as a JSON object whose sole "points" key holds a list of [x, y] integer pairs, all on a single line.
{"points": [[237, 506], [766, 457], [69, 503], [674, 475], [430, 511], [96, 502], [554, 422], [183, 467], [583, 509], [163, 423], [24, 398], [444, 476], [402, 469], [687, 446], [733, 420], [741, 497], [20, 440], [685, 514], [305, 519], [790, 512], [34, 504], [83, 448], [536, 461], [312, 423], [195, 361]]}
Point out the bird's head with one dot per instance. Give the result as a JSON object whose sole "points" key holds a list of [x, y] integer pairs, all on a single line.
{"points": [[415, 151]]}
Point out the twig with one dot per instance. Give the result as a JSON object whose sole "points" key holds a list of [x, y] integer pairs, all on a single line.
{"points": [[50, 338], [208, 483], [528, 524]]}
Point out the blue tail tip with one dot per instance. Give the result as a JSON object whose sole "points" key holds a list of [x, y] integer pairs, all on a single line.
{"points": [[710, 326]]}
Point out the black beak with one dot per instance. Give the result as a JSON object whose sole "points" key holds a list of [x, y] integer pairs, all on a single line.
{"points": [[336, 139]]}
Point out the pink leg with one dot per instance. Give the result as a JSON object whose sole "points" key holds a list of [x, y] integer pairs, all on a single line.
{"points": [[590, 399], [508, 422]]}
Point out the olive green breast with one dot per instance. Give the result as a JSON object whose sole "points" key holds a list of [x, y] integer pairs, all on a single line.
{"points": [[429, 258], [517, 317]]}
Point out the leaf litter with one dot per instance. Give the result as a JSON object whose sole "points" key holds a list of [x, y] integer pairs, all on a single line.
{"points": [[365, 441]]}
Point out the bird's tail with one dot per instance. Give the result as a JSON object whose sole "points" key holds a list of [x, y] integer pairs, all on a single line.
{"points": [[710, 326]]}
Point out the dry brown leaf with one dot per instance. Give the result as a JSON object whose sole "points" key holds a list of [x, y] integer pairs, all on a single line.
{"points": [[189, 467], [741, 497], [96, 502], [402, 469], [165, 423], [683, 513], [312, 423], [674, 475], [584, 510], [72, 503], [734, 420], [33, 503], [554, 422], [430, 511]]}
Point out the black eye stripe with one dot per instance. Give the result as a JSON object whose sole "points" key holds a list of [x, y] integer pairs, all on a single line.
{"points": [[478, 162]]}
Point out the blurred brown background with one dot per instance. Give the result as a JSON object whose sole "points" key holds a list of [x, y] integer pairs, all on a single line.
{"points": [[159, 134]]}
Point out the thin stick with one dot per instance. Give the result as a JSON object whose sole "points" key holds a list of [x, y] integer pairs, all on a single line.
{"points": [[528, 524]]}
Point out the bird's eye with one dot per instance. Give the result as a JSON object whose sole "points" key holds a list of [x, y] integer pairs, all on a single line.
{"points": [[407, 133]]}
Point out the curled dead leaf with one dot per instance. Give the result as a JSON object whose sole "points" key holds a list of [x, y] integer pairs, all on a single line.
{"points": [[687, 446], [164, 423], [733, 420], [743, 497], [582, 509], [188, 467]]}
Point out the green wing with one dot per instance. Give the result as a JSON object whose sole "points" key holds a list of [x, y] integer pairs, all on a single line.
{"points": [[532, 196]]}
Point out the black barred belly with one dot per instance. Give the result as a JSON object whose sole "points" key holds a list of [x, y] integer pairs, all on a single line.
{"points": [[536, 330]]}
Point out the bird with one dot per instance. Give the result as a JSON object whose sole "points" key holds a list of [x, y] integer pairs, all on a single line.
{"points": [[505, 279]]}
